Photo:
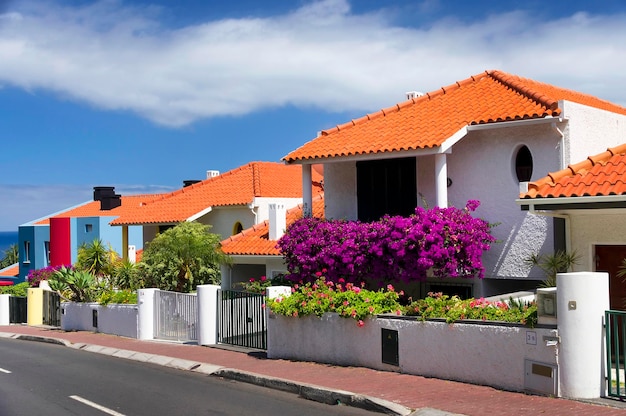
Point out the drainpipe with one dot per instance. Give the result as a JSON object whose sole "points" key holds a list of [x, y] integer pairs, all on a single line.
{"points": [[560, 133], [253, 208]]}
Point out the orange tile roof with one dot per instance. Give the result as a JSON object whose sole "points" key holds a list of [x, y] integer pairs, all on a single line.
{"points": [[427, 121], [236, 187], [255, 241], [11, 271], [92, 208], [600, 175]]}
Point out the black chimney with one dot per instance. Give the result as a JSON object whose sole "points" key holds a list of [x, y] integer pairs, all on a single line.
{"points": [[190, 182], [107, 197]]}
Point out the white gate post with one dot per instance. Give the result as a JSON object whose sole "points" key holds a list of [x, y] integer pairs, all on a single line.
{"points": [[582, 299], [5, 310], [207, 314], [145, 314]]}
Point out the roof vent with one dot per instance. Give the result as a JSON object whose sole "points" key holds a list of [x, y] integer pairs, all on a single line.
{"points": [[414, 94], [212, 173]]}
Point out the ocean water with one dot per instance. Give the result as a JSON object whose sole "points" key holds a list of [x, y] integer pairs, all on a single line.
{"points": [[7, 238]]}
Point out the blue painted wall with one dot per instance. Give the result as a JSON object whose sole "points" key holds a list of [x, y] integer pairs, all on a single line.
{"points": [[37, 236]]}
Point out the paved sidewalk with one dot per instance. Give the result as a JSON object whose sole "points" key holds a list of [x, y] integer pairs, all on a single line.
{"points": [[389, 392]]}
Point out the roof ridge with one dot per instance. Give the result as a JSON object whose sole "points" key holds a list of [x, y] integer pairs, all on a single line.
{"points": [[516, 83], [407, 103]]}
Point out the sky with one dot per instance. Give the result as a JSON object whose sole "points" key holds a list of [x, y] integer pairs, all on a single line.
{"points": [[144, 94]]}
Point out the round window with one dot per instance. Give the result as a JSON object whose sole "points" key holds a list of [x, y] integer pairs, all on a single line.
{"points": [[524, 164]]}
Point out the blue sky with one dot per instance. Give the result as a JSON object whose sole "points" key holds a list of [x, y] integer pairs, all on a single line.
{"points": [[142, 95]]}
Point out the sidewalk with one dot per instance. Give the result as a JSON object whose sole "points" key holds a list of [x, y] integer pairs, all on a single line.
{"points": [[393, 393]]}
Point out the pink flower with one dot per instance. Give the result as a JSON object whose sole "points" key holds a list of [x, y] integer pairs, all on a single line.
{"points": [[353, 313], [341, 280], [251, 279], [346, 303], [356, 289], [263, 278], [318, 274], [360, 323], [390, 288], [398, 312]]}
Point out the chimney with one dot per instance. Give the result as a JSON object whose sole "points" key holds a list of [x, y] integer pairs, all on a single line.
{"points": [[100, 192], [107, 197], [414, 94], [212, 173], [277, 220], [189, 182]]}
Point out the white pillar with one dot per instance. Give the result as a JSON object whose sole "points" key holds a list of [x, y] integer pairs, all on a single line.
{"points": [[145, 318], [441, 180], [582, 299], [5, 311], [307, 191], [207, 314], [276, 291]]}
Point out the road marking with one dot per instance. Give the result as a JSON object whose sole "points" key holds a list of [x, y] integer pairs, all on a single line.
{"points": [[2, 370], [96, 406]]}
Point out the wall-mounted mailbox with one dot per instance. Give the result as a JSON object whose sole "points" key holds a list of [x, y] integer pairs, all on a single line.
{"points": [[546, 306]]}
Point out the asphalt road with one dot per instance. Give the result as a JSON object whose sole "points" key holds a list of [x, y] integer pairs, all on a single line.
{"points": [[52, 380]]}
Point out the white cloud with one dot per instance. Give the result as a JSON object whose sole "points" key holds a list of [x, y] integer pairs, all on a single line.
{"points": [[322, 55]]}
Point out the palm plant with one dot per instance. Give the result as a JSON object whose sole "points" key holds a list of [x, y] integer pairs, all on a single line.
{"points": [[11, 256], [559, 262]]}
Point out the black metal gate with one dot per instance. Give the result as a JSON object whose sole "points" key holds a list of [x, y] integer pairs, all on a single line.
{"points": [[51, 308], [18, 310], [241, 319], [615, 322]]}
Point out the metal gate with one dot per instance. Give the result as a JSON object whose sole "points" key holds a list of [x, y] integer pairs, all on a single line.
{"points": [[615, 322], [241, 319], [176, 316], [51, 308], [18, 311]]}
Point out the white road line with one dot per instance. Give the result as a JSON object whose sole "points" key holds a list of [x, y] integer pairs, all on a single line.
{"points": [[2, 370], [96, 406]]}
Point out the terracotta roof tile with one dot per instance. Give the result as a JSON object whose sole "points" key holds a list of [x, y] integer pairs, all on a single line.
{"points": [[427, 121], [236, 187], [11, 271], [601, 175], [255, 241], [92, 208]]}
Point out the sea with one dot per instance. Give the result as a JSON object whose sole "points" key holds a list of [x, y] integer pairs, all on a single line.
{"points": [[7, 239]]}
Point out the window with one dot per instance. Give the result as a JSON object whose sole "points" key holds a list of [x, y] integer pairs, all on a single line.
{"points": [[524, 164], [26, 251], [88, 228], [237, 228], [386, 187], [46, 248]]}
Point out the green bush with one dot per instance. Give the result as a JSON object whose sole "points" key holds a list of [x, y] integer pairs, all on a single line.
{"points": [[438, 305], [20, 289], [119, 296], [348, 300]]}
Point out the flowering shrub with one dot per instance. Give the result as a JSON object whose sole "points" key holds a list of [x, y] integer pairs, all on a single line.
{"points": [[448, 241], [437, 305], [36, 276], [346, 299]]}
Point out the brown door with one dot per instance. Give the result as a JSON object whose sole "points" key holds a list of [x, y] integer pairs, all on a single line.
{"points": [[609, 259]]}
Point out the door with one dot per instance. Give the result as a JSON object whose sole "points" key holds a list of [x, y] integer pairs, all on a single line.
{"points": [[609, 259]]}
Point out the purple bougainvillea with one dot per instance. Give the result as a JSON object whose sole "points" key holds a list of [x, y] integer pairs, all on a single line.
{"points": [[448, 241]]}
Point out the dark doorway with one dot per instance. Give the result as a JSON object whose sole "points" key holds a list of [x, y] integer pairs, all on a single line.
{"points": [[609, 259], [386, 187]]}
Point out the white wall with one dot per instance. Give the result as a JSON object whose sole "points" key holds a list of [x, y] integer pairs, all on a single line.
{"points": [[595, 227], [591, 131], [340, 190], [480, 354], [116, 319]]}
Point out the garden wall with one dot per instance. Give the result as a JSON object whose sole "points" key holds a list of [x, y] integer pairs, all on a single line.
{"points": [[478, 353], [115, 319]]}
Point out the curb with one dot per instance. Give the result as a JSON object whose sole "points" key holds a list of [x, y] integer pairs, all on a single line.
{"points": [[307, 391]]}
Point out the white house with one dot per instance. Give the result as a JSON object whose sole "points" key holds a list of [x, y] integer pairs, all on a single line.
{"points": [[481, 138]]}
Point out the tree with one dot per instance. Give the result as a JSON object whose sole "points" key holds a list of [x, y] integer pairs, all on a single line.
{"points": [[96, 258], [11, 256], [182, 258]]}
